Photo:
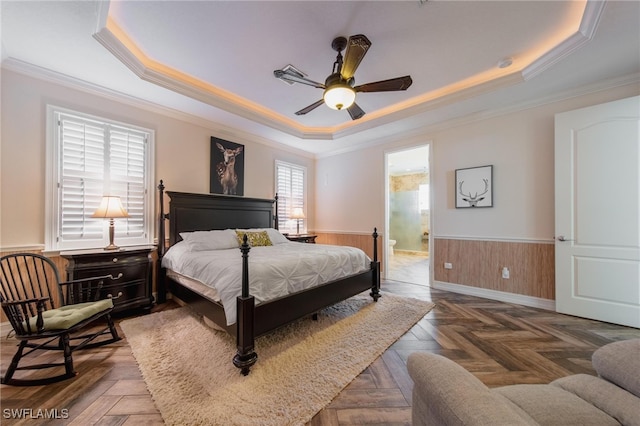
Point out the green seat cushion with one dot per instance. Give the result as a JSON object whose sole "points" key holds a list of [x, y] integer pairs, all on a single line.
{"points": [[67, 316]]}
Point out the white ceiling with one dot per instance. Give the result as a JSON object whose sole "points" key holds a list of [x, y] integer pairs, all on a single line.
{"points": [[215, 59]]}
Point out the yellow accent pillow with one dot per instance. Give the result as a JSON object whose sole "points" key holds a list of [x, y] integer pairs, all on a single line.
{"points": [[255, 239]]}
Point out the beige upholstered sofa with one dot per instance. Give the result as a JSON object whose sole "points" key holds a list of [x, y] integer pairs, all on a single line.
{"points": [[444, 393]]}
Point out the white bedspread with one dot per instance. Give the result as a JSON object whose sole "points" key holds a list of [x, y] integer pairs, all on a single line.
{"points": [[274, 271]]}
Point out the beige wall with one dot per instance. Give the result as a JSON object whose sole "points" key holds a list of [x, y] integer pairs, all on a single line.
{"points": [[520, 147], [182, 153], [346, 191]]}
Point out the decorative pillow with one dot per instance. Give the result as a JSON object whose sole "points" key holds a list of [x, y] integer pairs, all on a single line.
{"points": [[210, 240], [254, 238], [274, 235]]}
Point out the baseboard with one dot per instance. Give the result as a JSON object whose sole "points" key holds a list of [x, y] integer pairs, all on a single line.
{"points": [[502, 296]]}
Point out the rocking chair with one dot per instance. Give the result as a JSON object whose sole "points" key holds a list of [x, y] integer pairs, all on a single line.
{"points": [[27, 282]]}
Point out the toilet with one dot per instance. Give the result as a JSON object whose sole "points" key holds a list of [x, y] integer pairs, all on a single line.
{"points": [[391, 244]]}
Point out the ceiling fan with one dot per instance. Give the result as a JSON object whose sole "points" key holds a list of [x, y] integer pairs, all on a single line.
{"points": [[339, 89]]}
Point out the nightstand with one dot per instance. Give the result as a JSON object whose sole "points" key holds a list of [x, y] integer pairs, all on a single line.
{"points": [[130, 265], [302, 238]]}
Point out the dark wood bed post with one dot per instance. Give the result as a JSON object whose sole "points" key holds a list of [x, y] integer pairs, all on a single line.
{"points": [[375, 266], [275, 216], [246, 356], [161, 282]]}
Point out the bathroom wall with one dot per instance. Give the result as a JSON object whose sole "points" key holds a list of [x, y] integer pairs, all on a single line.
{"points": [[408, 224]]}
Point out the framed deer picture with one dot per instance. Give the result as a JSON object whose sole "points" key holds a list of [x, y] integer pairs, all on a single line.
{"points": [[227, 167], [474, 187]]}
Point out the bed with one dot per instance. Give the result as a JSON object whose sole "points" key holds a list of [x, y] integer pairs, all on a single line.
{"points": [[189, 212]]}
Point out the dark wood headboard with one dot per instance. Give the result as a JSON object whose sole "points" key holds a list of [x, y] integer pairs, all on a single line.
{"points": [[203, 212]]}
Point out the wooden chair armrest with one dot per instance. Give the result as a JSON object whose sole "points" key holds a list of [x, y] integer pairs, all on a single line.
{"points": [[19, 312], [39, 300]]}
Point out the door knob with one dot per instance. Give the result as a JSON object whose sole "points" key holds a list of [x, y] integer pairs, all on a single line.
{"points": [[562, 238]]}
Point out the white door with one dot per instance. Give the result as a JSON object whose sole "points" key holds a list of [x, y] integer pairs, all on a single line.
{"points": [[597, 208]]}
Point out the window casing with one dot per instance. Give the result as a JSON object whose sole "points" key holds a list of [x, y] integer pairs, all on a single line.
{"points": [[88, 157], [291, 187]]}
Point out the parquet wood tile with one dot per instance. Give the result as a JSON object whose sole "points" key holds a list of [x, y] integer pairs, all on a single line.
{"points": [[500, 343]]}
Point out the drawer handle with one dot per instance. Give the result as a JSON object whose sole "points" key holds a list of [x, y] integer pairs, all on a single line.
{"points": [[110, 296], [117, 277], [115, 260]]}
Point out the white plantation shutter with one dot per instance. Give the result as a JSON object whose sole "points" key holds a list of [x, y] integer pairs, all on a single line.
{"points": [[127, 178], [291, 190], [91, 158], [82, 164]]}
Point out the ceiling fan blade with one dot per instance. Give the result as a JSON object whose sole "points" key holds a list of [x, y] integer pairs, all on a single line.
{"points": [[295, 78], [391, 85], [355, 111], [310, 108], [357, 47]]}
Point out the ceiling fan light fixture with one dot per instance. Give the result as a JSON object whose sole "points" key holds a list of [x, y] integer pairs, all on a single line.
{"points": [[339, 96]]}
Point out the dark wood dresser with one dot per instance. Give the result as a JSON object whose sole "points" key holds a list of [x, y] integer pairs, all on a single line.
{"points": [[130, 266]]}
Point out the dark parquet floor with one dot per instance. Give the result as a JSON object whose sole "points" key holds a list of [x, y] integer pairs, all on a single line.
{"points": [[500, 343]]}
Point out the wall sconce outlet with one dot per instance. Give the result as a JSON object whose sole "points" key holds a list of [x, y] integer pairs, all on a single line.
{"points": [[505, 273]]}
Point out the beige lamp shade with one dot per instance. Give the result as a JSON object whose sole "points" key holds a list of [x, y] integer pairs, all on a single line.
{"points": [[297, 213], [110, 207]]}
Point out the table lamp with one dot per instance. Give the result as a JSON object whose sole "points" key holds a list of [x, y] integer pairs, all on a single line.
{"points": [[110, 208], [297, 214]]}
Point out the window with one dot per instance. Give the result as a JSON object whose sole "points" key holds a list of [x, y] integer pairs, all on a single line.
{"points": [[88, 157], [291, 187]]}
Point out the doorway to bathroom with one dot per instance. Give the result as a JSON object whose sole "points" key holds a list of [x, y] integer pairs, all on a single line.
{"points": [[408, 218]]}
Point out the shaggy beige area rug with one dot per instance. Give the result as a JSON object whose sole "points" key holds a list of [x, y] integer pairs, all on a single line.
{"points": [[301, 367]]}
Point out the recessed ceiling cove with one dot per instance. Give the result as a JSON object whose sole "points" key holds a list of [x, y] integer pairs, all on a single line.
{"points": [[224, 53]]}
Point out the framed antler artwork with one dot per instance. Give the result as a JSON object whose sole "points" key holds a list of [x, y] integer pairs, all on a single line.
{"points": [[227, 167], [474, 187]]}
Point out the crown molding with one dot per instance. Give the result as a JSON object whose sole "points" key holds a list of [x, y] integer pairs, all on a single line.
{"points": [[118, 44], [54, 77], [588, 25], [243, 136]]}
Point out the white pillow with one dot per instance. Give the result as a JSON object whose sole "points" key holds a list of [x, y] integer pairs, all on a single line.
{"points": [[211, 240], [274, 235]]}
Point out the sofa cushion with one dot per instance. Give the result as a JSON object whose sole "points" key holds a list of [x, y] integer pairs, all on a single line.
{"points": [[446, 393], [619, 362], [613, 400], [551, 405]]}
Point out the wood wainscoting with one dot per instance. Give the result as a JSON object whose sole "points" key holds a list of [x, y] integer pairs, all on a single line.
{"points": [[362, 241], [479, 264]]}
